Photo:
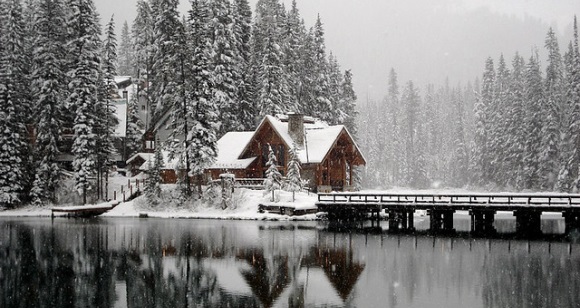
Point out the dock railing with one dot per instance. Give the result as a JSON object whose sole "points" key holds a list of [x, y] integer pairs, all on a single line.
{"points": [[488, 200]]}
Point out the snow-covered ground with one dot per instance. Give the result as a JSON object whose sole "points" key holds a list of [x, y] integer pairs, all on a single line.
{"points": [[244, 206]]}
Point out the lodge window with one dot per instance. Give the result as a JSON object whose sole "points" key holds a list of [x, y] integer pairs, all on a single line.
{"points": [[149, 145]]}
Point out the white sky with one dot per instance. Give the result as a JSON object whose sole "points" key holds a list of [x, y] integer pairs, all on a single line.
{"points": [[423, 40]]}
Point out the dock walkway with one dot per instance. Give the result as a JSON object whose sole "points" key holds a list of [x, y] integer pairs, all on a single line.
{"points": [[527, 208]]}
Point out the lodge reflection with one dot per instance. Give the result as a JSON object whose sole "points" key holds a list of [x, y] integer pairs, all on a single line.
{"points": [[102, 265]]}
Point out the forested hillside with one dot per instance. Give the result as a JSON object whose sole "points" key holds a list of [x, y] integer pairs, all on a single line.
{"points": [[217, 69], [515, 129]]}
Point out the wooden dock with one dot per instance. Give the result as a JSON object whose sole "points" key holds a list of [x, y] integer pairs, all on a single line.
{"points": [[400, 207]]}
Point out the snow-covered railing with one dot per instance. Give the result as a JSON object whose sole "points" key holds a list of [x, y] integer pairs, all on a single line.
{"points": [[127, 192], [499, 201]]}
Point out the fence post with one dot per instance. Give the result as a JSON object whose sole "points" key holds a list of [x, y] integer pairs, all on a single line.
{"points": [[123, 196]]}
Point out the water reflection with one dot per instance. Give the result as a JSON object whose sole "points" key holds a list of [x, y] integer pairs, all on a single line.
{"points": [[197, 263]]}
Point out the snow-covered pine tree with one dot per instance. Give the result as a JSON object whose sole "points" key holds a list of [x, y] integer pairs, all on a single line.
{"points": [[273, 179], [411, 118], [49, 88], [293, 178], [292, 33], [143, 52], [181, 121], [516, 128], [552, 109], [14, 105], [570, 155], [348, 102], [483, 116], [394, 133], [242, 30], [126, 53], [460, 154], [272, 86], [134, 134], [105, 109], [166, 60], [335, 80], [321, 103], [84, 73], [497, 123], [533, 94], [225, 72], [202, 140]]}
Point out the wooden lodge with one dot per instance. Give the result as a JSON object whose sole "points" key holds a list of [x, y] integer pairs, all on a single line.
{"points": [[328, 154]]}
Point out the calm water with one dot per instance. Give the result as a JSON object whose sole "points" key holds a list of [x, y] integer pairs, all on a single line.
{"points": [[201, 263]]}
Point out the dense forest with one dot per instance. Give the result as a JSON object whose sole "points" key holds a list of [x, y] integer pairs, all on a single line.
{"points": [[517, 128], [214, 70]]}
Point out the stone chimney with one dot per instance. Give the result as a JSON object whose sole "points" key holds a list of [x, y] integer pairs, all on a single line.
{"points": [[296, 128]]}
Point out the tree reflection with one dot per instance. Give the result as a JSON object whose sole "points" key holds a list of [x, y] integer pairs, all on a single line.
{"points": [[529, 279]]}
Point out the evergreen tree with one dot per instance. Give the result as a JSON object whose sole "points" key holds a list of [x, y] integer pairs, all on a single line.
{"points": [[273, 177], [533, 122], [272, 87], [567, 172], [516, 128], [394, 134], [84, 75], [460, 155], [293, 31], [224, 71], [105, 109], [573, 98], [321, 104], [143, 51], [13, 105], [49, 90], [411, 118], [498, 122], [242, 31], [134, 126], [202, 141], [294, 180], [552, 108], [483, 122], [166, 61], [125, 60], [348, 103]]}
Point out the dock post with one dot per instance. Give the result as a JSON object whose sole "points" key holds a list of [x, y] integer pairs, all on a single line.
{"points": [[482, 221], [404, 220], [393, 220], [571, 220], [448, 220], [411, 221], [528, 222]]}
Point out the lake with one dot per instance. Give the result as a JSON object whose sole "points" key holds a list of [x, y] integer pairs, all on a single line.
{"points": [[215, 263]]}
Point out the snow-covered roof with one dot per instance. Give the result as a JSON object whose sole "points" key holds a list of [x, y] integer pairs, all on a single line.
{"points": [[122, 79], [145, 157], [168, 164], [230, 147], [318, 141]]}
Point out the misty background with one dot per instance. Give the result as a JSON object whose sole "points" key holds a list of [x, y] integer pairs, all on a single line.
{"points": [[424, 41]]}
